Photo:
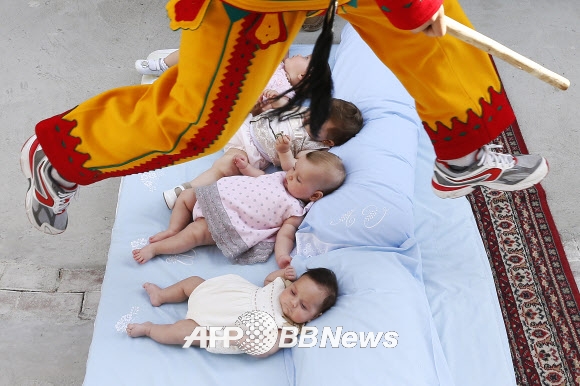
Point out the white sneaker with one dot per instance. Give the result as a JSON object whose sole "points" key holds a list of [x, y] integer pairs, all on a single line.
{"points": [[170, 196], [151, 67]]}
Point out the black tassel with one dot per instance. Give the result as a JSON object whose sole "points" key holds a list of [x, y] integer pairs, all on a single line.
{"points": [[317, 84]]}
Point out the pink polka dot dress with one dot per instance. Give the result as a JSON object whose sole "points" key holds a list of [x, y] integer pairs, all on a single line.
{"points": [[245, 213]]}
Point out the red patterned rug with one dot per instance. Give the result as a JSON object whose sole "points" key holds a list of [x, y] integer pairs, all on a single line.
{"points": [[537, 292]]}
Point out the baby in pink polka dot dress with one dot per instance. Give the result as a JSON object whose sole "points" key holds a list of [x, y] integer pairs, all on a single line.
{"points": [[248, 216]]}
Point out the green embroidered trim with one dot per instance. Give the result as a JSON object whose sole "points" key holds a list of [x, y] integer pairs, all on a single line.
{"points": [[234, 13]]}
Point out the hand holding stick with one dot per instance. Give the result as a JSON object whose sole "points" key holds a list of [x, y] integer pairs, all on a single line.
{"points": [[490, 46]]}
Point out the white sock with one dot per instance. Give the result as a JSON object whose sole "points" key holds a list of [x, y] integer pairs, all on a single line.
{"points": [[61, 181], [466, 160]]}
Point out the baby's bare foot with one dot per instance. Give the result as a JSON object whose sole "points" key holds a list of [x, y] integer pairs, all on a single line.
{"points": [[135, 330], [240, 162], [144, 254], [161, 236], [154, 293]]}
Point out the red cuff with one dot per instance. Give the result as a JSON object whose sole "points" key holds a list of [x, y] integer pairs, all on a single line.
{"points": [[409, 14]]}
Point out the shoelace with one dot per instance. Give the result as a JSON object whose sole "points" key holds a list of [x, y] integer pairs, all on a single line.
{"points": [[499, 160], [63, 201]]}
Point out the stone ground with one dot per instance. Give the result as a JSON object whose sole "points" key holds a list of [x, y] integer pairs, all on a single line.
{"points": [[61, 52]]}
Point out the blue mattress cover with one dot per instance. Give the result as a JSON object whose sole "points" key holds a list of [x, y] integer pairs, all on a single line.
{"points": [[406, 260]]}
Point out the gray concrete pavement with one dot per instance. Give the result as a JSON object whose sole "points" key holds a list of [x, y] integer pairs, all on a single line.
{"points": [[57, 53], [47, 318]]}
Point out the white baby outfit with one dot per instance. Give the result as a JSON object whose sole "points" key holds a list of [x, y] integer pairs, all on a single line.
{"points": [[245, 213], [220, 301], [257, 137]]}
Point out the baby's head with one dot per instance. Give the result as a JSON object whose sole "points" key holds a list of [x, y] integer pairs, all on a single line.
{"points": [[296, 67], [344, 122], [309, 296], [315, 174]]}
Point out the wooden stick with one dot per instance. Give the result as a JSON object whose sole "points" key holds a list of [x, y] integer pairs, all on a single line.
{"points": [[490, 46]]}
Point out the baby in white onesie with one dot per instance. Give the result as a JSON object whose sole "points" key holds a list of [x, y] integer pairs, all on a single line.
{"points": [[220, 301]]}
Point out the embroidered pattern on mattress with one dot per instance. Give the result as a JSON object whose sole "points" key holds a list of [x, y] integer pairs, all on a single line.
{"points": [[121, 325], [372, 216], [348, 219], [139, 243], [150, 179], [182, 258], [307, 244]]}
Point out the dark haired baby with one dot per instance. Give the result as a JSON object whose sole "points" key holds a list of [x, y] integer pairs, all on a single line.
{"points": [[220, 301]]}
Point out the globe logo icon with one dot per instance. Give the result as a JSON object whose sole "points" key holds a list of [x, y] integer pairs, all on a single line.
{"points": [[260, 332]]}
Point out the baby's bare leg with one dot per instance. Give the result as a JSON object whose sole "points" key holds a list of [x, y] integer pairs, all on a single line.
{"points": [[222, 167], [176, 293], [164, 333], [172, 58], [194, 235], [180, 216]]}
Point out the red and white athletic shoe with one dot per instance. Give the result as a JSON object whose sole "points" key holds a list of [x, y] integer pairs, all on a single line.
{"points": [[46, 200], [497, 171]]}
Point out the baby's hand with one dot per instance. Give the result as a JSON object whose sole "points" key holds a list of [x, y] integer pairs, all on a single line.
{"points": [[290, 273], [240, 161], [282, 143], [268, 101], [267, 94], [284, 261]]}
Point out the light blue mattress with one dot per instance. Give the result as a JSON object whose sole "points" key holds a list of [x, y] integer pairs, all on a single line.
{"points": [[406, 260]]}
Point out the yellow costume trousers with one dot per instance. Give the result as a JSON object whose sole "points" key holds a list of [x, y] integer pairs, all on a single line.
{"points": [[228, 52]]}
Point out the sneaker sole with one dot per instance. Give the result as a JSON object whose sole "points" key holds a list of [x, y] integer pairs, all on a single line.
{"points": [[25, 157], [451, 193], [25, 167], [532, 180]]}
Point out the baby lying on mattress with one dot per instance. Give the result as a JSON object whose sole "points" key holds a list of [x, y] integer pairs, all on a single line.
{"points": [[255, 141], [243, 215], [224, 301]]}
